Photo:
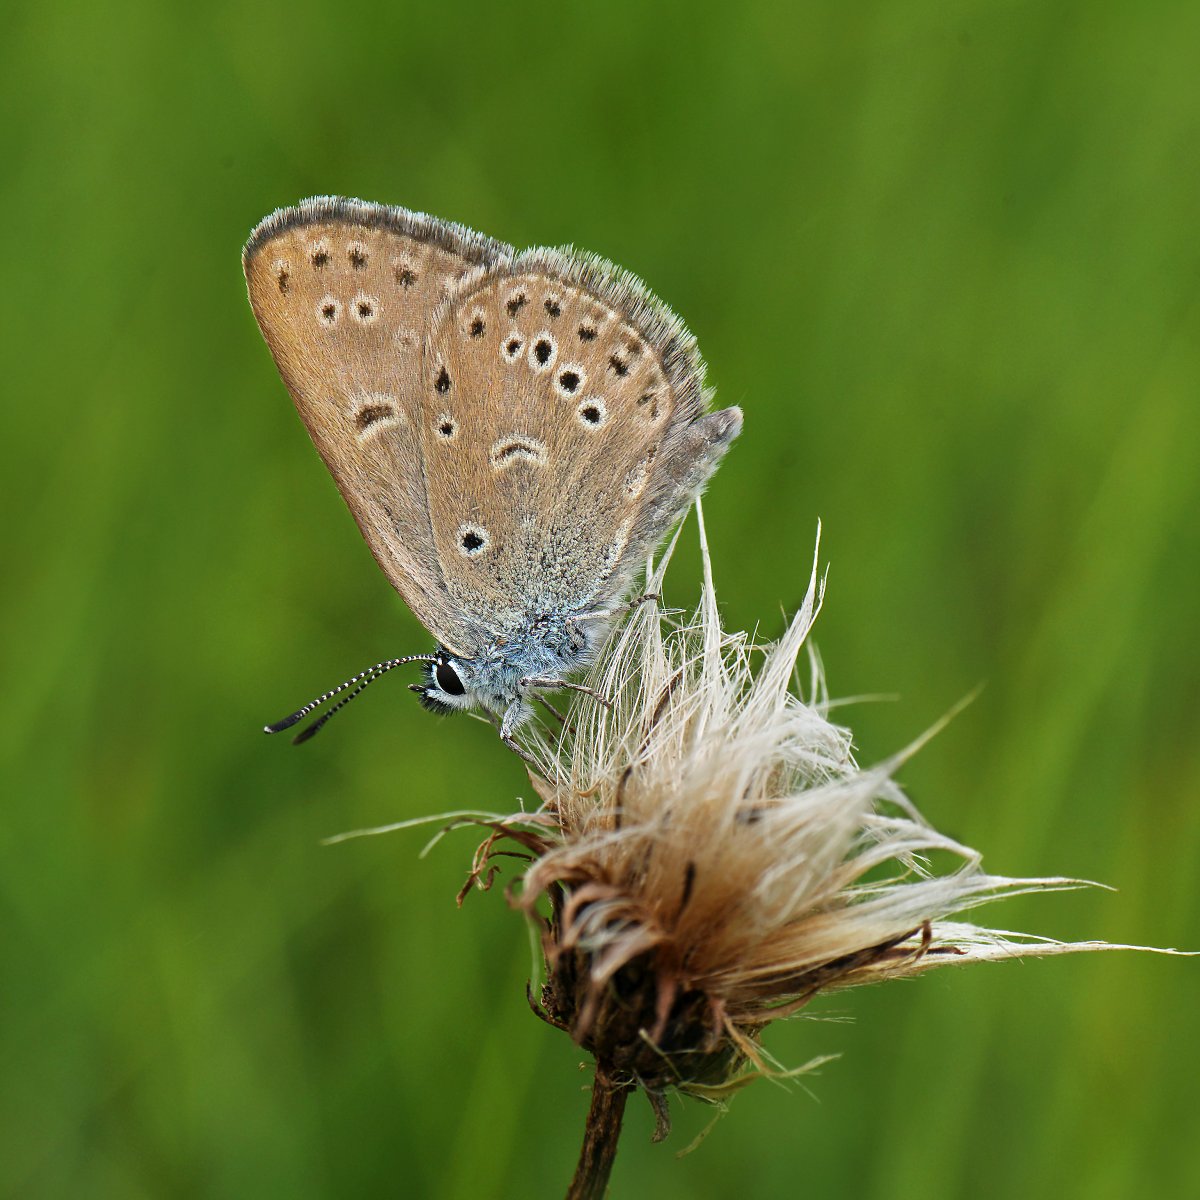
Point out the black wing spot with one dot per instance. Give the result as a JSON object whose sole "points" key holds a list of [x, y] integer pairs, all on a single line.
{"points": [[591, 414], [365, 310], [406, 277], [372, 414], [358, 257], [329, 312], [447, 428], [552, 307], [569, 381], [472, 540], [619, 365], [587, 333], [542, 350], [477, 328], [516, 302], [320, 258], [443, 382]]}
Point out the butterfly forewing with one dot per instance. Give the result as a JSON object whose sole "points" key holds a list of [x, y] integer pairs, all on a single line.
{"points": [[345, 293], [563, 432]]}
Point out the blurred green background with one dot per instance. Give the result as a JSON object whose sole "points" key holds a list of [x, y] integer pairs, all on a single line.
{"points": [[945, 256]]}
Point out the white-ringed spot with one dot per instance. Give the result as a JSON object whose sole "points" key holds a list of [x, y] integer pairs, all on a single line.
{"points": [[328, 311], [511, 347], [365, 308], [517, 448], [472, 540], [543, 350], [570, 378], [374, 412], [592, 413]]}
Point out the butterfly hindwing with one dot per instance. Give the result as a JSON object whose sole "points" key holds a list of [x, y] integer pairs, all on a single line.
{"points": [[563, 430]]}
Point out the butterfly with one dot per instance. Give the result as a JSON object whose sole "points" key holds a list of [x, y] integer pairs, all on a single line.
{"points": [[514, 433]]}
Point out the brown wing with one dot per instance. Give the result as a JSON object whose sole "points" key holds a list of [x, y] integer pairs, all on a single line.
{"points": [[563, 431], [345, 293]]}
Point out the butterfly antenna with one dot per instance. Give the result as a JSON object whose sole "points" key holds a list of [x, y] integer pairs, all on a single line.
{"points": [[356, 682], [313, 729]]}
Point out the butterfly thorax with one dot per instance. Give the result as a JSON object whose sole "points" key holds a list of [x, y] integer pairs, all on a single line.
{"points": [[502, 679]]}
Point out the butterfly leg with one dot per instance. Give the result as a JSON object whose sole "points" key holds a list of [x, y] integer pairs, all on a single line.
{"points": [[559, 717], [647, 598], [536, 681], [512, 717], [644, 598], [521, 753]]}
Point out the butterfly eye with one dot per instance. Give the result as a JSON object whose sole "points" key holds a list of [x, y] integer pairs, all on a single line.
{"points": [[448, 680]]}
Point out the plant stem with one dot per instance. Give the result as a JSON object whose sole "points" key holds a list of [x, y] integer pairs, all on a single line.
{"points": [[599, 1140]]}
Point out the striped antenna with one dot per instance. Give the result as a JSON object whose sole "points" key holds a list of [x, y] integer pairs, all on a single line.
{"points": [[358, 682]]}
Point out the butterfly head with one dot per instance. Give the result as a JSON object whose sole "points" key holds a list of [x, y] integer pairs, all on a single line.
{"points": [[503, 677], [447, 686]]}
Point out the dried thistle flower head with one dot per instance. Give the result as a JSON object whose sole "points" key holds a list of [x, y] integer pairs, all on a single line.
{"points": [[709, 857], [713, 857]]}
